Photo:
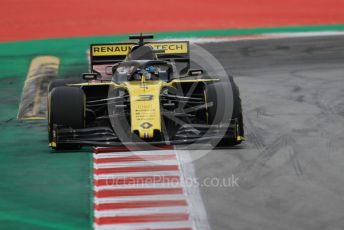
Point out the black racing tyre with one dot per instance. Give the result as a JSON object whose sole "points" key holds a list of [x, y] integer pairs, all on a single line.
{"points": [[67, 108], [220, 110], [237, 108], [63, 82], [225, 107]]}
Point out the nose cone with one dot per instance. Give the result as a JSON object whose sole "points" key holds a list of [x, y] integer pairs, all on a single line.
{"points": [[145, 107]]}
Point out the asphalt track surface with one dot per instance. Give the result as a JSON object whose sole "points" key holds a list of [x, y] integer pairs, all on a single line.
{"points": [[291, 167]]}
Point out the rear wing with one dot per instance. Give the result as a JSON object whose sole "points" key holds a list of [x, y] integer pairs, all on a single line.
{"points": [[108, 54]]}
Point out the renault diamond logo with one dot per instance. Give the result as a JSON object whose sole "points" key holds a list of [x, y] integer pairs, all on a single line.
{"points": [[146, 125]]}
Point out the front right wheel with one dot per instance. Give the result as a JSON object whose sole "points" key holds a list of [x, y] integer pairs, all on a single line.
{"points": [[66, 108]]}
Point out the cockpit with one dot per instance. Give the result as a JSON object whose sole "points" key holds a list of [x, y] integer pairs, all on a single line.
{"points": [[135, 70]]}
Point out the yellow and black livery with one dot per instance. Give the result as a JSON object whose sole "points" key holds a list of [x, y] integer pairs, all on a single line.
{"points": [[143, 93]]}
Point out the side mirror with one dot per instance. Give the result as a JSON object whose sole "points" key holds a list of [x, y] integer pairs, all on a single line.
{"points": [[195, 72], [108, 70], [90, 76]]}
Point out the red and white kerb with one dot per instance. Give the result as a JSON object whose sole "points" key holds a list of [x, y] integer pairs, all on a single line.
{"points": [[142, 190]]}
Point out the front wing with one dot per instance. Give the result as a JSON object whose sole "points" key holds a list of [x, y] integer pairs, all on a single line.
{"points": [[107, 137]]}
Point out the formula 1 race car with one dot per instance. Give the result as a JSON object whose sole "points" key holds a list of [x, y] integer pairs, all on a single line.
{"points": [[143, 93]]}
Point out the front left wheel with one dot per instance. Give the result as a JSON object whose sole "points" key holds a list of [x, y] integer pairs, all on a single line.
{"points": [[224, 108]]}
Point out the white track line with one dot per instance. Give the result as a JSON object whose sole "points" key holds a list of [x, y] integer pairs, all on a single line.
{"points": [[267, 36], [137, 198], [134, 153], [146, 226], [194, 196], [111, 176], [133, 186], [140, 211], [136, 163]]}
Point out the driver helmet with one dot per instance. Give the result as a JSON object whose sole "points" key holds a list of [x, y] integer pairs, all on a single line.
{"points": [[151, 69], [151, 72]]}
